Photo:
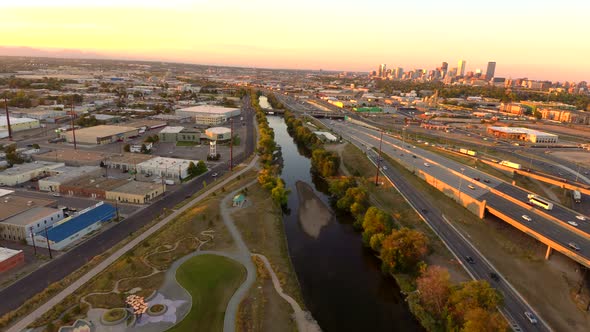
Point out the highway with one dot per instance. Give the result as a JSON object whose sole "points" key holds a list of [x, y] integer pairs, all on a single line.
{"points": [[514, 306], [25, 288]]}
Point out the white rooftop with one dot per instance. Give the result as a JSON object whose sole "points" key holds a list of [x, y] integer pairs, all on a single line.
{"points": [[6, 253], [171, 130], [4, 192], [520, 130], [27, 167], [14, 120], [218, 130], [208, 109], [164, 162]]}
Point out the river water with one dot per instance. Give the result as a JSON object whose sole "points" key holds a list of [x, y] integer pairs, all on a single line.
{"points": [[341, 281]]}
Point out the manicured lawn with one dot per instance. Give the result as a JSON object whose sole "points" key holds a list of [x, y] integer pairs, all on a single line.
{"points": [[182, 143], [211, 280]]}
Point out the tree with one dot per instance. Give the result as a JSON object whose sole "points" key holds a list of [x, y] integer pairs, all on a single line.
{"points": [[192, 169], [339, 187], [480, 320], [376, 221], [279, 194], [127, 148], [403, 249], [434, 289], [355, 201], [468, 296], [36, 146], [144, 148], [13, 157], [201, 167]]}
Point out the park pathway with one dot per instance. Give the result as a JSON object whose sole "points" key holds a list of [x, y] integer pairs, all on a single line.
{"points": [[31, 317]]}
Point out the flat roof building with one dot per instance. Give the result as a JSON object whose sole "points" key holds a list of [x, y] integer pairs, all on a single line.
{"points": [[179, 134], [72, 157], [18, 124], [127, 161], [209, 114], [136, 192], [10, 259], [25, 172], [103, 134], [523, 134], [94, 187], [66, 174], [170, 168]]}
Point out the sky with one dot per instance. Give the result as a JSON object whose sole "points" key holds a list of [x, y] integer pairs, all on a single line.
{"points": [[538, 39]]}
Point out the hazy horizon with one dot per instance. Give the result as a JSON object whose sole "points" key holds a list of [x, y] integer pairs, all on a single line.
{"points": [[530, 39]]}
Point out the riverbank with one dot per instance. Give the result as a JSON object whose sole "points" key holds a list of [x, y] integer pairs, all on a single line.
{"points": [[313, 213]]}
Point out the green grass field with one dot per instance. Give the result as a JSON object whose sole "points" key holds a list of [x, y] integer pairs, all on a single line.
{"points": [[211, 280]]}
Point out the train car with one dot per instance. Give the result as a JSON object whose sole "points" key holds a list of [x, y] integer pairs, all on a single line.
{"points": [[468, 152], [510, 164]]}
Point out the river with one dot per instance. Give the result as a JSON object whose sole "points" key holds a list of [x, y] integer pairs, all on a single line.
{"points": [[341, 281]]}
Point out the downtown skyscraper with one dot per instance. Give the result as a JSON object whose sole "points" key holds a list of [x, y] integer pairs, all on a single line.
{"points": [[461, 68], [491, 70]]}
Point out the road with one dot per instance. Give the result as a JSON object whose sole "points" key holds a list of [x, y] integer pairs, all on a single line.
{"points": [[25, 288], [514, 305]]}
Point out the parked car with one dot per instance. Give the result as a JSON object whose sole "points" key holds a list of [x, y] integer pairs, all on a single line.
{"points": [[214, 175], [56, 195]]}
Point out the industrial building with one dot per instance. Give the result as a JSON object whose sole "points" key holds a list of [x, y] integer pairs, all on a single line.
{"points": [[72, 157], [326, 136], [66, 174], [10, 259], [25, 172], [93, 187], [18, 124], [73, 228], [522, 134], [179, 134], [209, 114], [19, 215], [169, 168], [103, 134], [218, 134], [136, 192], [127, 161]]}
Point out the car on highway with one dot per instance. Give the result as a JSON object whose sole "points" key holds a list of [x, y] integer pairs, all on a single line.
{"points": [[486, 180], [515, 327], [529, 315], [413, 156], [573, 223], [472, 187], [476, 178], [527, 218], [574, 246], [56, 195], [384, 168], [427, 164], [494, 276], [580, 217], [469, 259]]}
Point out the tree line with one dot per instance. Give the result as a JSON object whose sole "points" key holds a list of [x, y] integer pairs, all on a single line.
{"points": [[435, 301], [274, 102], [268, 177], [325, 163]]}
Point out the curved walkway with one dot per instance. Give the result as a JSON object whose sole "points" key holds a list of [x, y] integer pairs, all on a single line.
{"points": [[30, 318], [305, 323]]}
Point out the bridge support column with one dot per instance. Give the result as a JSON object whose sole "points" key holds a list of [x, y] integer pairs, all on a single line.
{"points": [[514, 182], [482, 209], [548, 253]]}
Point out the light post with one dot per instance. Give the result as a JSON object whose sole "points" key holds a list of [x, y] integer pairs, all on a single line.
{"points": [[461, 182]]}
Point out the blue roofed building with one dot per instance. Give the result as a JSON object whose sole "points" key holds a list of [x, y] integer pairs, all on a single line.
{"points": [[71, 229]]}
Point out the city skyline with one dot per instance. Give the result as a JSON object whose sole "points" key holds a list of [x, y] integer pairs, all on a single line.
{"points": [[329, 35]]}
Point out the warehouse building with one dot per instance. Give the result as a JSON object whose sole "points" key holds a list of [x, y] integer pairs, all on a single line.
{"points": [[19, 215], [522, 134], [103, 134], [209, 114], [72, 229], [93, 187], [179, 134], [136, 192], [169, 168], [25, 172], [10, 259], [66, 174], [18, 124], [218, 134], [126, 161], [72, 157]]}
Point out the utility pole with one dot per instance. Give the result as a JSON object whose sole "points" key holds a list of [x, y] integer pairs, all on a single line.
{"points": [[73, 128], [379, 160], [231, 145], [33, 240], [48, 245], [7, 118]]}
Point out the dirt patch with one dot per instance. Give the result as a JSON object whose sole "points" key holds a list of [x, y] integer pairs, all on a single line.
{"points": [[582, 157], [313, 213]]}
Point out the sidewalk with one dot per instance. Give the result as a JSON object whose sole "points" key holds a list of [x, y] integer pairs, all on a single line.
{"points": [[31, 317]]}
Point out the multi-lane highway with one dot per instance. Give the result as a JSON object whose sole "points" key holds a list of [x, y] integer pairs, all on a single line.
{"points": [[514, 305], [25, 288]]}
